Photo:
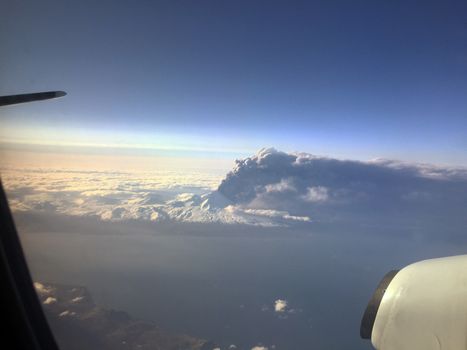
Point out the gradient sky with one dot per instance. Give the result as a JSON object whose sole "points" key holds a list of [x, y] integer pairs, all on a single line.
{"points": [[354, 79]]}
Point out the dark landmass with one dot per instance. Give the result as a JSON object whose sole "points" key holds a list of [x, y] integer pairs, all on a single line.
{"points": [[78, 324]]}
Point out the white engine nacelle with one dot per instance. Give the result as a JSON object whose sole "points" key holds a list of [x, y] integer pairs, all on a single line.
{"points": [[421, 307]]}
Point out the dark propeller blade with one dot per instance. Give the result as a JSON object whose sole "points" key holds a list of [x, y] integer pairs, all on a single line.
{"points": [[14, 99]]}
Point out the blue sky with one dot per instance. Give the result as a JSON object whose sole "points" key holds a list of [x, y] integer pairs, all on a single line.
{"points": [[353, 79]]}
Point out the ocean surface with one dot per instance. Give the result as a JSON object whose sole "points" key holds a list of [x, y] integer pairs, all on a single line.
{"points": [[220, 282]]}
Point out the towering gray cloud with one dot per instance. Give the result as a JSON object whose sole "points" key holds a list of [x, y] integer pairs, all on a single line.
{"points": [[326, 188], [310, 177]]}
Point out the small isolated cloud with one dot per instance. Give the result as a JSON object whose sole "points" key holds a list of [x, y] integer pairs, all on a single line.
{"points": [[283, 310], [280, 305], [77, 299], [67, 313], [259, 347], [50, 300], [41, 289]]}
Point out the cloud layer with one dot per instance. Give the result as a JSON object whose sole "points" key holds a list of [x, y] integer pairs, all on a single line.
{"points": [[269, 188], [114, 196]]}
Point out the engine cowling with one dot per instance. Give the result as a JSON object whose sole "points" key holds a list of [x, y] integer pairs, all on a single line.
{"points": [[423, 306]]}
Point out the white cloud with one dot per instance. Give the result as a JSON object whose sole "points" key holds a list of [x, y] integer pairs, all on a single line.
{"points": [[280, 305], [77, 299], [50, 300], [42, 289], [274, 214], [259, 347], [67, 313], [122, 203]]}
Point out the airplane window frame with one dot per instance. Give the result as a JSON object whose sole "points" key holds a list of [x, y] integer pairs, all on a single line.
{"points": [[25, 324]]}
